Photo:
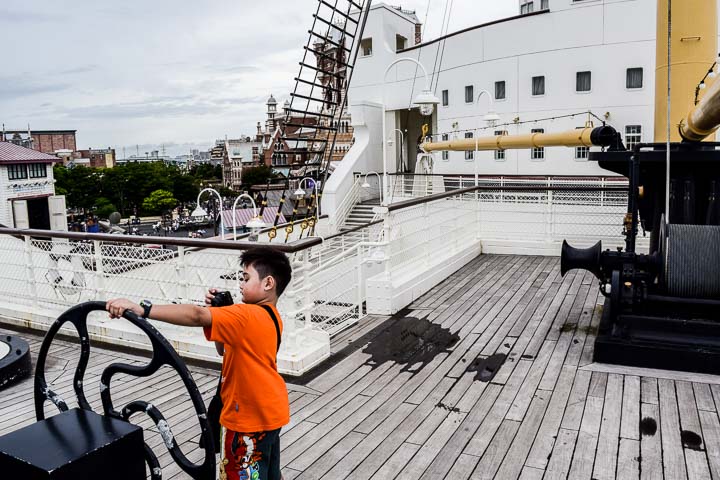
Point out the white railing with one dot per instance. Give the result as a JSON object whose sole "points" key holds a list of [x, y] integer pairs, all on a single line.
{"points": [[347, 204], [40, 277], [406, 186], [415, 242]]}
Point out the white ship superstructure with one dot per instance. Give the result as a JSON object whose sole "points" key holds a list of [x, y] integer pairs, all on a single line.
{"points": [[540, 70]]}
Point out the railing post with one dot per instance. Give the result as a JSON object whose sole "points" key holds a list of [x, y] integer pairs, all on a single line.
{"points": [[99, 270], [426, 249], [181, 270], [359, 281], [307, 300], [549, 217], [30, 270]]}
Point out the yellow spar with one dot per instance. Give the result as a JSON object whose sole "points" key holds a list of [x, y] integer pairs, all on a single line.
{"points": [[580, 137]]}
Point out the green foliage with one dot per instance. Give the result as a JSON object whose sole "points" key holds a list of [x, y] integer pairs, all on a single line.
{"points": [[205, 171], [125, 186], [103, 207], [257, 175], [159, 201], [80, 185]]}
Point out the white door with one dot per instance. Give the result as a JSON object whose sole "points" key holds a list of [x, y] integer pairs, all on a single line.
{"points": [[20, 214], [58, 217]]}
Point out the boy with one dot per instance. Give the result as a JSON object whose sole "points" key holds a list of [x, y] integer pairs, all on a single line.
{"points": [[255, 399]]}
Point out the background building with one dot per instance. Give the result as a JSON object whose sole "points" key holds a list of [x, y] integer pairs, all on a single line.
{"points": [[98, 158], [46, 141], [27, 191]]}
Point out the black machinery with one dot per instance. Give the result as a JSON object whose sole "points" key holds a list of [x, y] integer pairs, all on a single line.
{"points": [[662, 308], [78, 441]]}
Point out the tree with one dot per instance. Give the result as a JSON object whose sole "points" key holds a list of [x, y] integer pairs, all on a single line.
{"points": [[159, 201], [257, 175], [103, 207], [184, 188], [79, 184]]}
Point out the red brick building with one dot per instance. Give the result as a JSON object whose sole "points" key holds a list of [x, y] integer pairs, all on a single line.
{"points": [[46, 141]]}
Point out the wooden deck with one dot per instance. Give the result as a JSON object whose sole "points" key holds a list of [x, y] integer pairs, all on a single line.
{"points": [[549, 412]]}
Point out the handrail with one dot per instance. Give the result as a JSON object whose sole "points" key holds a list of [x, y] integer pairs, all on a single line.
{"points": [[460, 191], [348, 202], [354, 229], [292, 247]]}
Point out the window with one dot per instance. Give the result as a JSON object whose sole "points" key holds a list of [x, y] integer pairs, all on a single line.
{"points": [[582, 153], [633, 136], [469, 94], [400, 43], [445, 153], [500, 154], [526, 8], [634, 78], [537, 153], [469, 153], [38, 170], [583, 81], [17, 172], [538, 85], [500, 90], [445, 98], [544, 4], [366, 47]]}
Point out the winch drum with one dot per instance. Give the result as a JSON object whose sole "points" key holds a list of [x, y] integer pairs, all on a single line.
{"points": [[691, 254]]}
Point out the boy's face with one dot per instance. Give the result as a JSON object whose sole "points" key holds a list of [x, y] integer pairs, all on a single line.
{"points": [[254, 289]]}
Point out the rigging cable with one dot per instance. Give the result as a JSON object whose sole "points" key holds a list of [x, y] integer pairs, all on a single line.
{"points": [[667, 153], [442, 53], [422, 30]]}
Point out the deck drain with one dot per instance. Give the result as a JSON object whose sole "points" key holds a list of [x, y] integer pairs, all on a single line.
{"points": [[408, 341], [486, 368]]}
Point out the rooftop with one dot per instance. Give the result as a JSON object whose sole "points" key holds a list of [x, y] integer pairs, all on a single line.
{"points": [[11, 153], [502, 385]]}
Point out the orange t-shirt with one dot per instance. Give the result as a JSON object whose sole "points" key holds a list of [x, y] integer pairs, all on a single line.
{"points": [[254, 395]]}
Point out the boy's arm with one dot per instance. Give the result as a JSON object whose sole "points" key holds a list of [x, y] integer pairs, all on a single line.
{"points": [[183, 315], [220, 347]]}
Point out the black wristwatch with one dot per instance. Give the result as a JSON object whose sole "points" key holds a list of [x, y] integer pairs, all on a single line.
{"points": [[146, 305]]}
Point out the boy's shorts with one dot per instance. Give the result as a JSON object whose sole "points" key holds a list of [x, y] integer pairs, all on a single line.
{"points": [[250, 456]]}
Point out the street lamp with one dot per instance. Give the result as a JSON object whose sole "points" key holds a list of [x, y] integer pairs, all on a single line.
{"points": [[200, 212], [254, 223], [367, 185], [491, 118], [300, 193], [426, 100]]}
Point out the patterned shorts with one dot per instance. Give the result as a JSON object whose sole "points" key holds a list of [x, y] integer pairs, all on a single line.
{"points": [[251, 456]]}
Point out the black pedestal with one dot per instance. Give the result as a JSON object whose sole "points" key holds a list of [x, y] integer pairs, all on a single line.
{"points": [[76, 444]]}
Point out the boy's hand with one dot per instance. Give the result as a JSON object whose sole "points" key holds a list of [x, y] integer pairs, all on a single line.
{"points": [[210, 295], [117, 307]]}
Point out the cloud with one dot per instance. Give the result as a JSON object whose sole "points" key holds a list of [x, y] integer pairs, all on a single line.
{"points": [[14, 87], [82, 69], [158, 107], [10, 16]]}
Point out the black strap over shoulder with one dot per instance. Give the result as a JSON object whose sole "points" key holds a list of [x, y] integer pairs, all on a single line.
{"points": [[270, 312]]}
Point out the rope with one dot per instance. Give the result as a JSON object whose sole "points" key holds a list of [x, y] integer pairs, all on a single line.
{"points": [[557, 117]]}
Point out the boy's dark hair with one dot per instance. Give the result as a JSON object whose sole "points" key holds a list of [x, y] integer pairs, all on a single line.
{"points": [[269, 262]]}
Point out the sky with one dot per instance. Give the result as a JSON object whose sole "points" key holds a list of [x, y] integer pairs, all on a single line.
{"points": [[138, 74]]}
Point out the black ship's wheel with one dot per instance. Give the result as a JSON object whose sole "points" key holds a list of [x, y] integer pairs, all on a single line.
{"points": [[163, 354]]}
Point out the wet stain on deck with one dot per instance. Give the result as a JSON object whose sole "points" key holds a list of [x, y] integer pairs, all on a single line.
{"points": [[691, 440], [648, 426], [408, 341], [486, 368]]}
